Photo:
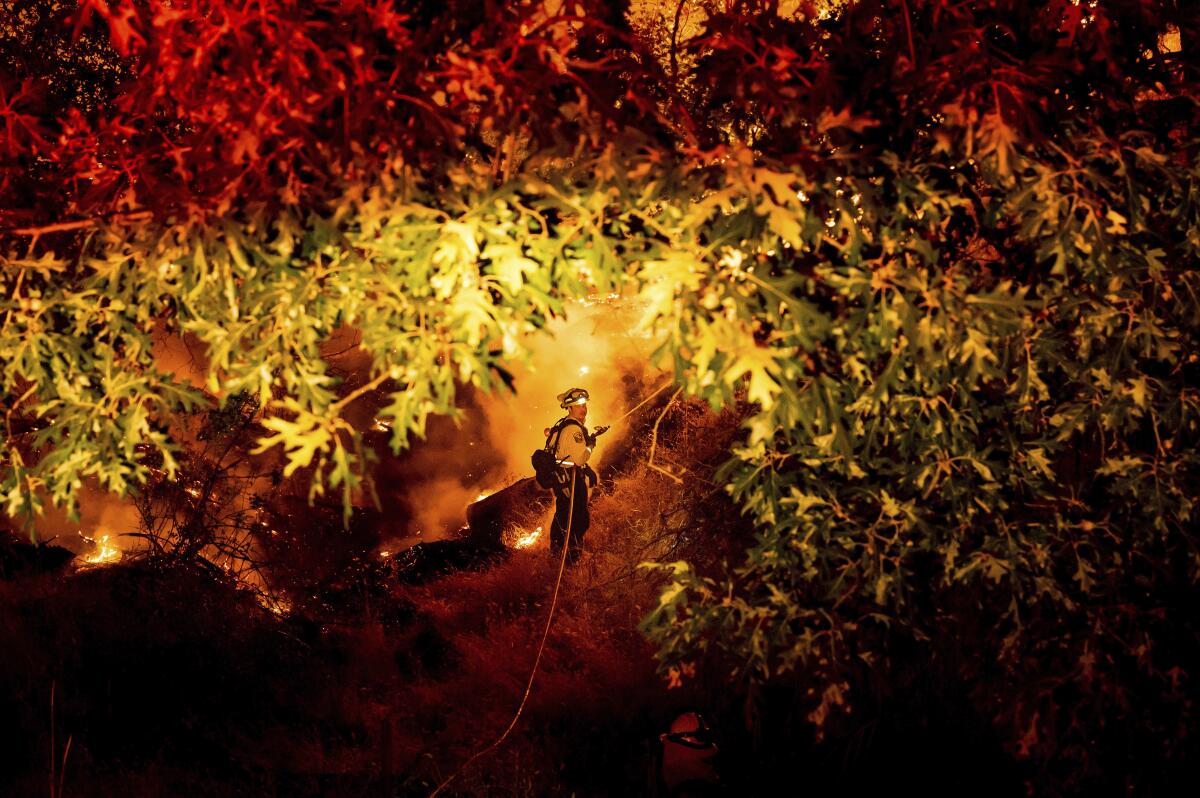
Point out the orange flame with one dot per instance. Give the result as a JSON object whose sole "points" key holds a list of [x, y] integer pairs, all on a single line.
{"points": [[528, 539], [274, 604], [104, 554]]}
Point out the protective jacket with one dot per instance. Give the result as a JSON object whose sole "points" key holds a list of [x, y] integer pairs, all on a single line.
{"points": [[571, 446], [574, 444]]}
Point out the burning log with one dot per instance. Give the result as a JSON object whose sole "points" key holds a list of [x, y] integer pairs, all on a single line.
{"points": [[426, 561], [522, 503], [483, 541]]}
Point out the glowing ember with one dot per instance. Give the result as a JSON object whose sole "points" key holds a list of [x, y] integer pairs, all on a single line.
{"points": [[528, 539], [274, 604], [600, 299], [105, 552], [385, 554], [381, 425]]}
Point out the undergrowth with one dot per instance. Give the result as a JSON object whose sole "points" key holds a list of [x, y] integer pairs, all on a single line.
{"points": [[169, 680], [592, 722]]}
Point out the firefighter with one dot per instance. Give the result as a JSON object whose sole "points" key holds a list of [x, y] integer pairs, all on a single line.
{"points": [[572, 446]]}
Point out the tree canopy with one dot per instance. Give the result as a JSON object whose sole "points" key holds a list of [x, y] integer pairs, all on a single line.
{"points": [[946, 250]]}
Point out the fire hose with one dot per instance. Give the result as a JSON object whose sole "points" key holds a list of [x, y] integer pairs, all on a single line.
{"points": [[562, 563], [549, 619]]}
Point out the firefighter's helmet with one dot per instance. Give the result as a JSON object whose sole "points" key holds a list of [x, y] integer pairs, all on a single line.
{"points": [[575, 396]]}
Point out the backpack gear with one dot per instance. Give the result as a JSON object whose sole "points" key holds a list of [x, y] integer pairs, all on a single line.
{"points": [[545, 465], [544, 468]]}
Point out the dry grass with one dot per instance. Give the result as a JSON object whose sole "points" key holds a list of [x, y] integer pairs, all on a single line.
{"points": [[597, 704], [174, 684]]}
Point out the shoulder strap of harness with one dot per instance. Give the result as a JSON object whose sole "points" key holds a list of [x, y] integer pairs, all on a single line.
{"points": [[556, 432]]}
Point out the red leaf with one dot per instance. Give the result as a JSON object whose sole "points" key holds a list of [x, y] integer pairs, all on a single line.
{"points": [[19, 129], [121, 22]]}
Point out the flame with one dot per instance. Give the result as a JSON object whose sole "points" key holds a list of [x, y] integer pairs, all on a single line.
{"points": [[528, 539], [275, 604], [483, 495], [105, 552]]}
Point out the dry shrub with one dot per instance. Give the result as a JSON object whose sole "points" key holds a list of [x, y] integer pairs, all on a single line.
{"points": [[642, 514], [591, 696]]}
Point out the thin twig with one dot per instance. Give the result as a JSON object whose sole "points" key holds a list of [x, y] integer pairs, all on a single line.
{"points": [[62, 769], [912, 54], [654, 439], [633, 409], [78, 224], [675, 45], [360, 391]]}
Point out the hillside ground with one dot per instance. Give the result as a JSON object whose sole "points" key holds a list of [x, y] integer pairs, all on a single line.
{"points": [[151, 678]]}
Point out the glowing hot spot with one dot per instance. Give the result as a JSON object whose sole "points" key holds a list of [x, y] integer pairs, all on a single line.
{"points": [[275, 604], [528, 539], [105, 552]]}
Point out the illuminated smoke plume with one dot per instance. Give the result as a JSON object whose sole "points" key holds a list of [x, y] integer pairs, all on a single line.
{"points": [[594, 347], [425, 491], [182, 356], [105, 520]]}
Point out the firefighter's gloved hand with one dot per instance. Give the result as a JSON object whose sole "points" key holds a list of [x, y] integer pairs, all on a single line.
{"points": [[590, 476], [592, 436]]}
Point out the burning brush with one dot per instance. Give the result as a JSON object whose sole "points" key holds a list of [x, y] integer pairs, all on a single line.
{"points": [[520, 538], [105, 553]]}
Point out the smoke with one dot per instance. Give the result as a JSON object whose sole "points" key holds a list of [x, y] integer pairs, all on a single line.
{"points": [[101, 515], [180, 355], [594, 346], [424, 492]]}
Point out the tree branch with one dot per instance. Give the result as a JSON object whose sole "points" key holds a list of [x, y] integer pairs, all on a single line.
{"points": [[78, 224]]}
